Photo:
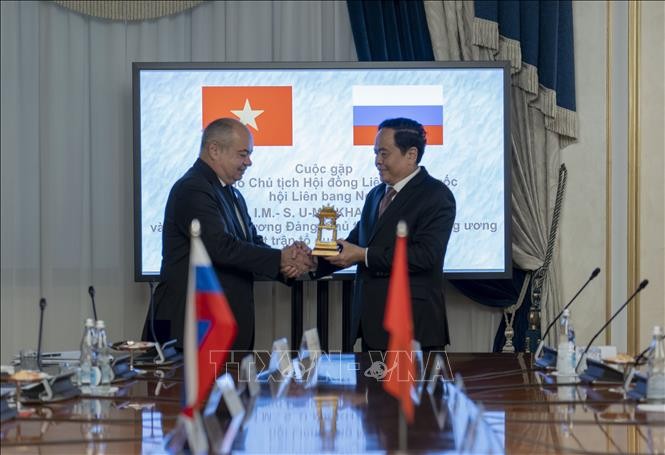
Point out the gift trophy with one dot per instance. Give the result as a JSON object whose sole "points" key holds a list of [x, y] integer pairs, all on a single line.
{"points": [[326, 234]]}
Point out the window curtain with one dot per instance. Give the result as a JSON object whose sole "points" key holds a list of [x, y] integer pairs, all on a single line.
{"points": [[66, 171], [387, 30], [542, 121], [536, 37]]}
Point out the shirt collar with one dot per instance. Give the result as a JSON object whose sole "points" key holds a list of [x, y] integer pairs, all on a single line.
{"points": [[402, 183]]}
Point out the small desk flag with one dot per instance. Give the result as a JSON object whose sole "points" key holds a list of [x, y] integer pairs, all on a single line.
{"points": [[398, 322], [209, 323]]}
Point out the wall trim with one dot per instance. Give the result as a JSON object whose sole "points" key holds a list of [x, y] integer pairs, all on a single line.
{"points": [[608, 170], [136, 10], [633, 173]]}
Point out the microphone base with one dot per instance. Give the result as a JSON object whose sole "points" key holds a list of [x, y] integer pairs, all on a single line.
{"points": [[548, 359], [152, 358], [598, 371], [122, 372], [639, 390], [58, 388]]}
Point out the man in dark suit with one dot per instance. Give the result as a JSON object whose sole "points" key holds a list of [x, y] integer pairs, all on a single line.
{"points": [[408, 193], [237, 252]]}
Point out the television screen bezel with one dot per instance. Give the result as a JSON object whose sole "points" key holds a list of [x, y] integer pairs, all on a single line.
{"points": [[137, 67]]}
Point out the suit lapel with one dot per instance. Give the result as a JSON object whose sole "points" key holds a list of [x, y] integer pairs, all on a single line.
{"points": [[225, 205], [401, 200], [374, 209]]}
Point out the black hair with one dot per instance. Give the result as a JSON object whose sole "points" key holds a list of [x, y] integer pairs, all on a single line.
{"points": [[408, 133]]}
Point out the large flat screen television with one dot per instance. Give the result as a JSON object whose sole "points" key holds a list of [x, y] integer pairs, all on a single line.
{"points": [[314, 127]]}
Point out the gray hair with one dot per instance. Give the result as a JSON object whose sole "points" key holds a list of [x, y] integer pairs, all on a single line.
{"points": [[221, 130]]}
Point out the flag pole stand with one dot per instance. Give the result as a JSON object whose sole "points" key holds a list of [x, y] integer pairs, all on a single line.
{"points": [[403, 430], [176, 440], [188, 436]]}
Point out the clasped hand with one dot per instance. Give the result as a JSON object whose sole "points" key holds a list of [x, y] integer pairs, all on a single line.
{"points": [[297, 259], [349, 254]]}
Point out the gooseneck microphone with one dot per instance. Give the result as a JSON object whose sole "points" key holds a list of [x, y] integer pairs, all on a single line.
{"points": [[647, 351], [594, 274], [91, 292], [642, 285], [164, 350], [152, 311], [42, 307]]}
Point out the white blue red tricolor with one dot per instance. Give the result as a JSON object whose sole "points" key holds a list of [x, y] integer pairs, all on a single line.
{"points": [[372, 104], [210, 327]]}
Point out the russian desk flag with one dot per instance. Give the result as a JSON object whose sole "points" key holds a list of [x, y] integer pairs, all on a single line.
{"points": [[373, 104], [210, 327]]}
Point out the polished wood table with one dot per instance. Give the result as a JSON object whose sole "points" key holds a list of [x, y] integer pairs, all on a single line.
{"points": [[525, 412]]}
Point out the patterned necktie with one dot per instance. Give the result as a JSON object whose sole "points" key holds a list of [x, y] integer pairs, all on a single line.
{"points": [[387, 199]]}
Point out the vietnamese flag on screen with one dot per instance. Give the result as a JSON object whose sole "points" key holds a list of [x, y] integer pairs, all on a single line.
{"points": [[373, 104], [266, 110]]}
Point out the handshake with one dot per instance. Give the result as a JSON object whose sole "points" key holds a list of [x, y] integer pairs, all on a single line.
{"points": [[297, 259]]}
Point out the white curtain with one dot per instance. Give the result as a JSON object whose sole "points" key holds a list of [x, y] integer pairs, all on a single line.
{"points": [[67, 212]]}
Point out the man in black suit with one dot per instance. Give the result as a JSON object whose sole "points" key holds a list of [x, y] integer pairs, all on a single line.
{"points": [[237, 252], [408, 193]]}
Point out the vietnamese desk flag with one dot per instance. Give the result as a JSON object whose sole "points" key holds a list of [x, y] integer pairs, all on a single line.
{"points": [[210, 327], [398, 322], [372, 104], [266, 110]]}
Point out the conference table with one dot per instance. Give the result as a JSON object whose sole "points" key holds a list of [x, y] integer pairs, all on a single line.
{"points": [[526, 410]]}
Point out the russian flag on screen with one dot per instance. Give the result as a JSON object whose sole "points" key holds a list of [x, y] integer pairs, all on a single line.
{"points": [[373, 104], [210, 327]]}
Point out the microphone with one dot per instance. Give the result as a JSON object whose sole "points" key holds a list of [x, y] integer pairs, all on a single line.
{"points": [[91, 292], [594, 274], [647, 351], [165, 351], [42, 307], [152, 311], [57, 388], [639, 391], [642, 285]]}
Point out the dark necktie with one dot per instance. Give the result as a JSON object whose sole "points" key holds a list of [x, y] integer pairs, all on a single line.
{"points": [[227, 190], [387, 199]]}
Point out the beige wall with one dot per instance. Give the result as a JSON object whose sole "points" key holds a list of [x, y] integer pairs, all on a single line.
{"points": [[593, 228], [584, 237], [582, 234], [652, 183], [593, 233]]}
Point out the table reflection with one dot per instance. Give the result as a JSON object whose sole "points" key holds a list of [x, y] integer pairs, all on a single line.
{"points": [[350, 412], [152, 432], [305, 424]]}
